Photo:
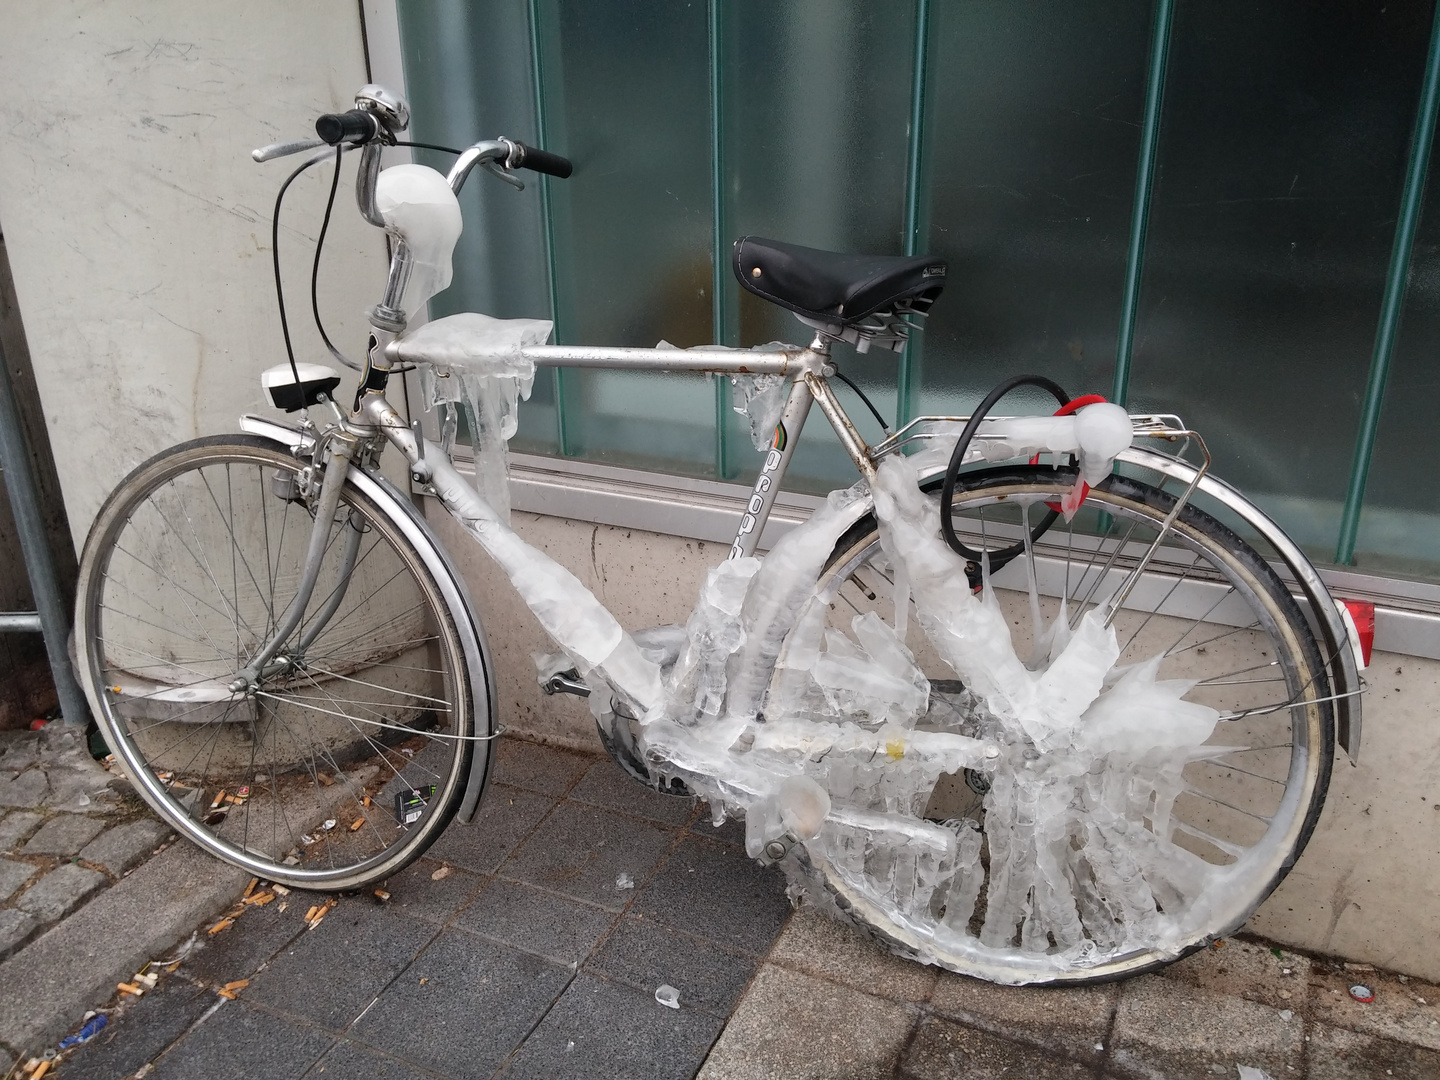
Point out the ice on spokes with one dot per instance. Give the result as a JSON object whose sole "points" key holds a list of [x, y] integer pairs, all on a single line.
{"points": [[760, 702]]}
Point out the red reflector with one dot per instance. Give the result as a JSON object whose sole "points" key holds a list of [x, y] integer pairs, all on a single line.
{"points": [[1363, 614]]}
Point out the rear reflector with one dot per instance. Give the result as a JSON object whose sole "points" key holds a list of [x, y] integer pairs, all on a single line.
{"points": [[1359, 618]]}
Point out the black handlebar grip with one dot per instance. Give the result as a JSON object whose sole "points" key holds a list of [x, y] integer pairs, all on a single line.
{"points": [[542, 161], [356, 126]]}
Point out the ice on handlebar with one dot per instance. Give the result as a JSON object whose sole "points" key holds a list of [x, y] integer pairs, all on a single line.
{"points": [[418, 207], [474, 362]]}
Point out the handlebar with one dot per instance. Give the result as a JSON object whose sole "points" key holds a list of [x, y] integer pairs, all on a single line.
{"points": [[541, 161], [355, 126]]}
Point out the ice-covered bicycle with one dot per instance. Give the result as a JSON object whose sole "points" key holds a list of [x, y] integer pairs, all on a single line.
{"points": [[1067, 729]]}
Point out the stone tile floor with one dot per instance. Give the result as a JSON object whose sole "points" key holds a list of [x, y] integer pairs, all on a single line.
{"points": [[66, 834], [526, 960]]}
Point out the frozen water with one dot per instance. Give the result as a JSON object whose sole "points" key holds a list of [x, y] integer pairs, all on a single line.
{"points": [[834, 741], [418, 207], [474, 362], [761, 398]]}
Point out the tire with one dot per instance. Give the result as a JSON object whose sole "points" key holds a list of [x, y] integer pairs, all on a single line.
{"points": [[1218, 613], [187, 568]]}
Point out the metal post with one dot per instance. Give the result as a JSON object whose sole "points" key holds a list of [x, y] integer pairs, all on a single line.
{"points": [[910, 358], [1396, 280], [1144, 181], [719, 313], [547, 216], [54, 613]]}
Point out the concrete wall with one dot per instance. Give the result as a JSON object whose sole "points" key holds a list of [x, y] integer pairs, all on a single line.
{"points": [[138, 228], [138, 231]]}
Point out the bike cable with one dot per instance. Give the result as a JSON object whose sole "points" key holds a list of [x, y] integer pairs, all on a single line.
{"points": [[315, 266], [275, 255], [957, 457], [868, 404]]}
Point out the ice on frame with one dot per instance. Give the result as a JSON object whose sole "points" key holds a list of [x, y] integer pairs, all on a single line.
{"points": [[830, 744]]}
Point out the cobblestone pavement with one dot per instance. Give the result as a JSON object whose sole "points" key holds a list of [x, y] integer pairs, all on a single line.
{"points": [[66, 832], [512, 950]]}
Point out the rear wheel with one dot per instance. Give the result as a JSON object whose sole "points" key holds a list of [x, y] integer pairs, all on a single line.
{"points": [[333, 773], [1078, 866]]}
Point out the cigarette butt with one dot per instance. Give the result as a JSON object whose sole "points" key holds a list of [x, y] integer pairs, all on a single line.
{"points": [[382, 894], [366, 801], [228, 995], [129, 988], [311, 913], [251, 887], [356, 823], [40, 1070], [261, 899], [223, 924], [146, 980], [280, 889], [218, 799], [326, 779], [238, 984]]}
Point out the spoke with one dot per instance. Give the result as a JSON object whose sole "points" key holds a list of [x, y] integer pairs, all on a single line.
{"points": [[1228, 806], [377, 686]]}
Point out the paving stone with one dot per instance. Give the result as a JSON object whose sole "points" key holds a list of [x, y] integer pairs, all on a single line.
{"points": [[1164, 1028], [462, 1006], [598, 1028], [140, 1032], [60, 892], [13, 874], [716, 891], [351, 1059], [330, 974], [1335, 1054], [539, 768], [581, 852], [1245, 969], [237, 1042], [506, 817], [140, 917], [257, 936], [818, 945], [729, 831], [942, 1050], [18, 750], [63, 835], [790, 1025], [15, 929], [609, 786], [15, 826], [646, 955], [26, 791], [1406, 1012], [125, 845], [415, 893], [536, 921], [1072, 1020]]}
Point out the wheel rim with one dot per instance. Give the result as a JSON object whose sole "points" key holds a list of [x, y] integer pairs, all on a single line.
{"points": [[1246, 814], [308, 779]]}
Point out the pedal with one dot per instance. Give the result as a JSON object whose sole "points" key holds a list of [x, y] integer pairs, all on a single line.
{"points": [[565, 682]]}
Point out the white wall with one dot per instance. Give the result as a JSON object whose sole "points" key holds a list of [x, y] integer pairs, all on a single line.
{"points": [[138, 228]]}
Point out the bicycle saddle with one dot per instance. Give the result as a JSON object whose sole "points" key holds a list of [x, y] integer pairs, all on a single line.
{"points": [[831, 287]]}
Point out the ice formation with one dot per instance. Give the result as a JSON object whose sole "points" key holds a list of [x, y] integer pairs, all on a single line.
{"points": [[475, 362], [419, 208], [831, 744], [761, 399]]}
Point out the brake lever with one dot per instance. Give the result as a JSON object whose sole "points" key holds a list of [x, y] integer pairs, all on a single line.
{"points": [[285, 149], [493, 170]]}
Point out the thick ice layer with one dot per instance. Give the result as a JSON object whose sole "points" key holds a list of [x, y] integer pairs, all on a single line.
{"points": [[474, 362], [772, 698], [761, 399], [1096, 434], [418, 206]]}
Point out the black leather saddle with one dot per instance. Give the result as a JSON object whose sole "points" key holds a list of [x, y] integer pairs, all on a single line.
{"points": [[829, 287]]}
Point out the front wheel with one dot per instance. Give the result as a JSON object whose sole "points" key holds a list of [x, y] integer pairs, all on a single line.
{"points": [[1070, 865], [336, 770]]}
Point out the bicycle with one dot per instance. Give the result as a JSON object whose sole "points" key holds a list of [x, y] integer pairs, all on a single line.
{"points": [[285, 661]]}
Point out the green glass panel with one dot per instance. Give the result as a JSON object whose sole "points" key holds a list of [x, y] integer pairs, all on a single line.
{"points": [[817, 107], [1283, 144], [467, 76], [1031, 140]]}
